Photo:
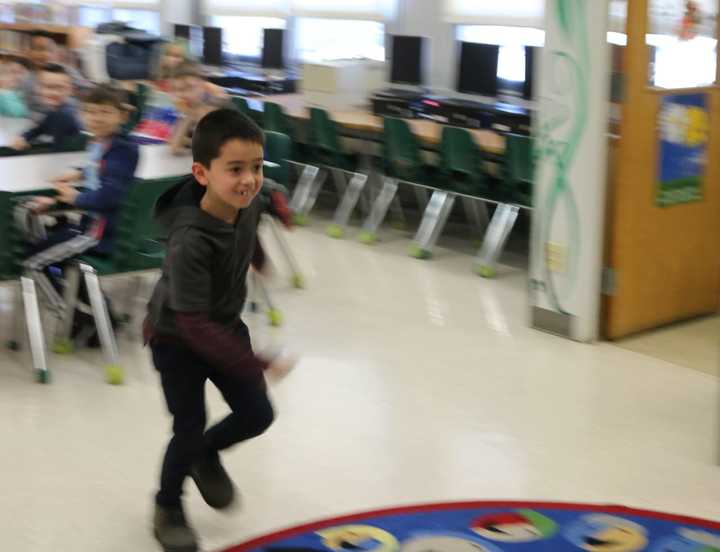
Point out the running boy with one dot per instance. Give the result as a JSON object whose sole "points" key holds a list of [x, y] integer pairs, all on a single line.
{"points": [[193, 324], [60, 123]]}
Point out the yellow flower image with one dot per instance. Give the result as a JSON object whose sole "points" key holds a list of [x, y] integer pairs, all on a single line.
{"points": [[697, 127]]}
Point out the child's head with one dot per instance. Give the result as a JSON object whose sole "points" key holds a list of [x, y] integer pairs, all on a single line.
{"points": [[54, 85], [15, 70], [189, 84], [172, 55], [104, 110], [228, 158], [43, 49]]}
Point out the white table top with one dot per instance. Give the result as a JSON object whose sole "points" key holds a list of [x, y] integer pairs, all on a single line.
{"points": [[25, 173], [11, 128]]}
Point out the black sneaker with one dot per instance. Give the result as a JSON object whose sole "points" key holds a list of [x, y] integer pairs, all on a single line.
{"points": [[212, 480], [172, 530]]}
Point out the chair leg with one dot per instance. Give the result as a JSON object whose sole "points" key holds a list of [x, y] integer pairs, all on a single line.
{"points": [[495, 239], [347, 205], [35, 329], [433, 223], [297, 278], [18, 318], [383, 202], [273, 313], [113, 371], [306, 192], [62, 344]]}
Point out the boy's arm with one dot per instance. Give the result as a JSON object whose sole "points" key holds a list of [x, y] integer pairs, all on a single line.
{"points": [[178, 139], [190, 293], [65, 128], [37, 130], [115, 178]]}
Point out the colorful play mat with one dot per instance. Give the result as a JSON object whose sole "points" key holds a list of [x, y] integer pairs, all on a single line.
{"points": [[497, 527]]}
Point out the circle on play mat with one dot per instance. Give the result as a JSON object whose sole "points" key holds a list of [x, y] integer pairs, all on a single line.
{"points": [[484, 526]]}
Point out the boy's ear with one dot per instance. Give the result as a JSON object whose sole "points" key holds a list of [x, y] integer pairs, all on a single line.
{"points": [[199, 171]]}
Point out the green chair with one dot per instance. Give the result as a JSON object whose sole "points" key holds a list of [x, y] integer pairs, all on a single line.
{"points": [[461, 163], [241, 105], [402, 162], [518, 169], [278, 148], [276, 120], [401, 153], [138, 100], [324, 142], [326, 152], [136, 248]]}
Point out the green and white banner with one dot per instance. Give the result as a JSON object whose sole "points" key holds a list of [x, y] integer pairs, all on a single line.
{"points": [[571, 166]]}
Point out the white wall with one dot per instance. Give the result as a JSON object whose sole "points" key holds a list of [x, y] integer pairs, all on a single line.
{"points": [[178, 11]]}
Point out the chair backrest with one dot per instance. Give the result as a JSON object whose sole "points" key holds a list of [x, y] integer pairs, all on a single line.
{"points": [[140, 99], [275, 119], [323, 137], [519, 157], [278, 148], [137, 230], [241, 105], [458, 151], [461, 162], [401, 153]]}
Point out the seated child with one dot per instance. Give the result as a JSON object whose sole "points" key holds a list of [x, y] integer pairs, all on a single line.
{"points": [[193, 101], [42, 51], [14, 71], [97, 192], [60, 124]]}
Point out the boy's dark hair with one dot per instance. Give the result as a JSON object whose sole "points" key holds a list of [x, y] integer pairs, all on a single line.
{"points": [[106, 94], [42, 34], [55, 68], [188, 69], [20, 60], [219, 127]]}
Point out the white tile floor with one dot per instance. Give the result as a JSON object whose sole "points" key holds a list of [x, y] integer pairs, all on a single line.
{"points": [[418, 382]]}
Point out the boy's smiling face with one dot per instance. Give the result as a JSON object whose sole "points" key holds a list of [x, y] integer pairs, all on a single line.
{"points": [[234, 178], [102, 120], [54, 89]]}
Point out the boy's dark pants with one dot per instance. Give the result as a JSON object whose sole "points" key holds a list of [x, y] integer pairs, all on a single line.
{"points": [[183, 376]]}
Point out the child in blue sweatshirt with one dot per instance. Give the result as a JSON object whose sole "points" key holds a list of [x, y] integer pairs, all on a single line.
{"points": [[60, 124], [98, 191]]}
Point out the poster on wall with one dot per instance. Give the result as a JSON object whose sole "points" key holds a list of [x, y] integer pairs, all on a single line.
{"points": [[683, 134]]}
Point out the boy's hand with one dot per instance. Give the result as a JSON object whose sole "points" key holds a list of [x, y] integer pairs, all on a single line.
{"points": [[66, 193], [19, 144], [41, 204], [279, 369], [67, 178], [279, 206]]}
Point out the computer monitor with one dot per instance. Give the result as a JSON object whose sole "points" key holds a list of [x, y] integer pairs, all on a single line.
{"points": [[530, 53], [272, 54], [194, 35], [182, 31], [212, 46], [478, 69], [406, 61]]}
